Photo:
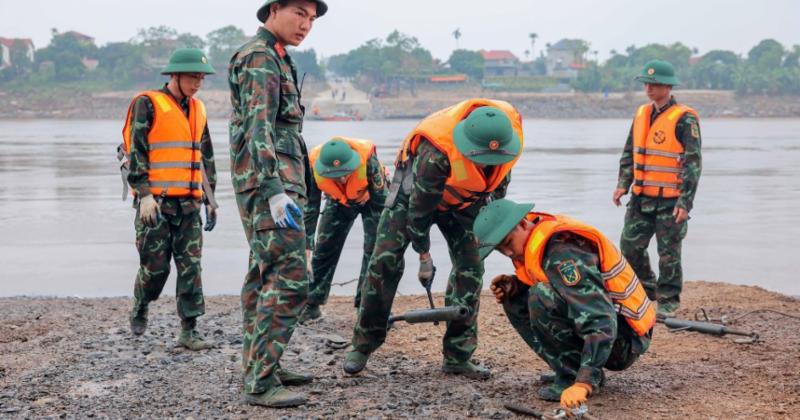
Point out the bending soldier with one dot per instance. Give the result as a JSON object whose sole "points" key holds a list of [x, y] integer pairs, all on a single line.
{"points": [[662, 161], [269, 170], [351, 176], [449, 166], [171, 163], [573, 298]]}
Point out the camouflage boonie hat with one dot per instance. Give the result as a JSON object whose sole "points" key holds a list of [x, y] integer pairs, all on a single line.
{"points": [[487, 137], [188, 60], [336, 159], [263, 11], [658, 72], [497, 220]]}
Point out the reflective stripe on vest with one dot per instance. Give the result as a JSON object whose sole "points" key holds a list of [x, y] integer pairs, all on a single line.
{"points": [[619, 280], [356, 188], [467, 183], [174, 156], [657, 151]]}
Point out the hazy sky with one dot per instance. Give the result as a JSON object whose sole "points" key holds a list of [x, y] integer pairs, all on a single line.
{"points": [[498, 24]]}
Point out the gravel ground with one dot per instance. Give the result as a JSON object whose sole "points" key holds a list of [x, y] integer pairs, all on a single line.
{"points": [[76, 358]]}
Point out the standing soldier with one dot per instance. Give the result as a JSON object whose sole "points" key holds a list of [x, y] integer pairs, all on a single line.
{"points": [[448, 168], [171, 163], [662, 161], [351, 176], [269, 170], [573, 299]]}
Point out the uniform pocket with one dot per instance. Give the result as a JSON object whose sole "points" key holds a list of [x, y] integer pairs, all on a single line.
{"points": [[291, 163]]}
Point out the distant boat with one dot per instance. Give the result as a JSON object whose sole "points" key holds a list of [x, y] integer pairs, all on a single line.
{"points": [[339, 116]]}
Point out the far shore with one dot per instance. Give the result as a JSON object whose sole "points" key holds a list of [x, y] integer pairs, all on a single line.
{"points": [[710, 104]]}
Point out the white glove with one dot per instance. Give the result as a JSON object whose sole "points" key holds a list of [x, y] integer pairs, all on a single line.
{"points": [[284, 211], [149, 211]]}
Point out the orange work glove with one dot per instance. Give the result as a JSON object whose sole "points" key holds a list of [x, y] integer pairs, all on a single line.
{"points": [[575, 395]]}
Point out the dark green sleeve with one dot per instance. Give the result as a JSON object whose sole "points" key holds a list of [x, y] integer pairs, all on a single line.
{"points": [[311, 211], [588, 304], [625, 178], [141, 121], [430, 170], [377, 180], [207, 150], [688, 133]]}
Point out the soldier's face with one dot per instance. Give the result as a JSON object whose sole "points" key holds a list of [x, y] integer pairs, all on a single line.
{"points": [[191, 83], [513, 245], [657, 92], [292, 23]]}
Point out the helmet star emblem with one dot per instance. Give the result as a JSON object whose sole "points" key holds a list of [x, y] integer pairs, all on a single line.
{"points": [[651, 71], [494, 145]]}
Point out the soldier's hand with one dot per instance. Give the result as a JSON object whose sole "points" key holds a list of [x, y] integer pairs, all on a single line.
{"points": [[284, 211], [681, 215], [149, 211], [618, 193], [211, 219], [503, 287], [575, 395], [426, 269]]}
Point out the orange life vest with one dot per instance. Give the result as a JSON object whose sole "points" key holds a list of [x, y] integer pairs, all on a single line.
{"points": [[621, 283], [174, 146], [466, 182], [657, 153], [357, 186]]}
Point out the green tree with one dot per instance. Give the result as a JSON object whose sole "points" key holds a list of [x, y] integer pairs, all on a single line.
{"points": [[157, 41], [467, 62], [187, 40], [307, 64], [222, 44], [66, 51]]}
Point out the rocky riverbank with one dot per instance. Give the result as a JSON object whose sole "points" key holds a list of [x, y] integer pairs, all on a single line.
{"points": [[710, 104], [76, 358]]}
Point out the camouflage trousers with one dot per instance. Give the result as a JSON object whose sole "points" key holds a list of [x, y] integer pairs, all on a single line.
{"points": [[643, 219], [274, 291], [386, 268], [178, 237], [334, 226]]}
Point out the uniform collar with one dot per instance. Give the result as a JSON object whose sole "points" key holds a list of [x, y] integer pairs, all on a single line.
{"points": [[268, 37], [183, 102]]}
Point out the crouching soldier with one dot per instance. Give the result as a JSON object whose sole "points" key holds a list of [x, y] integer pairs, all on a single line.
{"points": [[351, 176], [573, 298]]}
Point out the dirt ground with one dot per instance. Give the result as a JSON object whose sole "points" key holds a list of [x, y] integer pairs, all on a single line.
{"points": [[76, 358]]}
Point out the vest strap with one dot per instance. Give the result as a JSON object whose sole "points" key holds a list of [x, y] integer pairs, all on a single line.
{"points": [[642, 183], [644, 151], [627, 313], [175, 184], [656, 168], [175, 165], [175, 145]]}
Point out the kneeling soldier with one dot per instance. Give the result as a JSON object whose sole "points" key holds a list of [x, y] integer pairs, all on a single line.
{"points": [[574, 299], [351, 176]]}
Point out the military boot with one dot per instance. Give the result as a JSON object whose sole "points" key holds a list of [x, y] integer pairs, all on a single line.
{"points": [[667, 309], [192, 340], [290, 378], [277, 397], [468, 369], [355, 362], [547, 378], [138, 319], [311, 312]]}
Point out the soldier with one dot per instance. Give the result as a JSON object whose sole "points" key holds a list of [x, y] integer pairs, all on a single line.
{"points": [[448, 168], [574, 299], [269, 170], [351, 176], [170, 164], [662, 161]]}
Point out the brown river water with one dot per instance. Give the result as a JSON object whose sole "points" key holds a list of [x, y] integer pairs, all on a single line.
{"points": [[65, 232]]}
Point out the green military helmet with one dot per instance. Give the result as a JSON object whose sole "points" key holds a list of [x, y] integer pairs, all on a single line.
{"points": [[658, 72], [188, 60], [497, 220], [263, 12], [336, 159], [487, 137]]}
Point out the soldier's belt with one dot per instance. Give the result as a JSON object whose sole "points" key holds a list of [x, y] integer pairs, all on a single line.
{"points": [[287, 125]]}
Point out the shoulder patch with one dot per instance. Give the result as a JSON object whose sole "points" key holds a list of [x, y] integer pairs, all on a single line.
{"points": [[695, 130], [569, 272], [377, 179]]}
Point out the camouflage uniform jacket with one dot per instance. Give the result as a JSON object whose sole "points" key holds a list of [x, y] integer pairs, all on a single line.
{"points": [[688, 133], [267, 149], [142, 121], [431, 168], [377, 196], [588, 304]]}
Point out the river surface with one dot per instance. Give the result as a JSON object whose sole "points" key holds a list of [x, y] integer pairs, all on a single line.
{"points": [[64, 230]]}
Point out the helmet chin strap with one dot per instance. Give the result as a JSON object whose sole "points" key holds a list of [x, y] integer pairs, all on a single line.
{"points": [[180, 89]]}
